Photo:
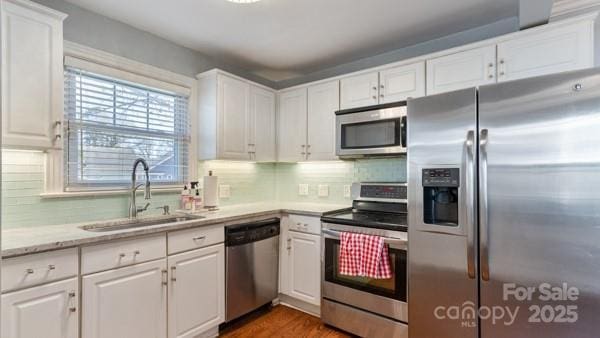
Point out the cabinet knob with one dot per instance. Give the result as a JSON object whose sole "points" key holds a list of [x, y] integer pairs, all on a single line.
{"points": [[374, 97], [501, 61], [72, 294], [51, 267], [29, 271], [491, 76], [374, 88], [491, 65], [381, 95], [72, 309], [381, 86], [501, 73]]}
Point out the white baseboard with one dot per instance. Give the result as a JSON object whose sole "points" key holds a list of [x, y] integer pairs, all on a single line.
{"points": [[311, 309]]}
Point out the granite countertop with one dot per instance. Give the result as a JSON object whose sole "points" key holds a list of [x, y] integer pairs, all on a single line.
{"points": [[22, 241]]}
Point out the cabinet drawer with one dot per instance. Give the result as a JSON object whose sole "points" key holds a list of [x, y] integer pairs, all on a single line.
{"points": [[25, 271], [306, 224], [122, 253], [190, 239]]}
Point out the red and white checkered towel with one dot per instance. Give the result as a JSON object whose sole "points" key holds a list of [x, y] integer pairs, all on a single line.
{"points": [[364, 255]]}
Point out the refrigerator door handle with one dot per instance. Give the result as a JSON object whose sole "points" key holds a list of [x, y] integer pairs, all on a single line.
{"points": [[470, 203], [483, 207]]}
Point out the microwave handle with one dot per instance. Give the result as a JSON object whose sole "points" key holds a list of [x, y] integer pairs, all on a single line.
{"points": [[403, 128]]}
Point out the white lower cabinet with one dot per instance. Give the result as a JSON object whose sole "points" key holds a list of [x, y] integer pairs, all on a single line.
{"points": [[301, 267], [196, 291], [129, 302], [48, 311]]}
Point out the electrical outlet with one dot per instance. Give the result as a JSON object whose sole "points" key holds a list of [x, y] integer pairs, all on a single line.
{"points": [[323, 190], [347, 191], [303, 189], [224, 191]]}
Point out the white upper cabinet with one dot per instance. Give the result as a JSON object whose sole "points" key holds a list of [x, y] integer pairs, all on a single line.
{"points": [[32, 75], [466, 69], [233, 123], [323, 102], [292, 126], [236, 119], [196, 291], [389, 85], [261, 126], [49, 311], [551, 51], [359, 91], [127, 302], [400, 83]]}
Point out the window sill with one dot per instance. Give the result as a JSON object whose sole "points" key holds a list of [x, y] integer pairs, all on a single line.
{"points": [[101, 193]]}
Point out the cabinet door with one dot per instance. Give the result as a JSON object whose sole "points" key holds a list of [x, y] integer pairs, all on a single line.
{"points": [[323, 102], [32, 76], [233, 118], [400, 83], [466, 69], [48, 311], [196, 291], [128, 302], [304, 267], [557, 50], [292, 126], [261, 124], [359, 91]]}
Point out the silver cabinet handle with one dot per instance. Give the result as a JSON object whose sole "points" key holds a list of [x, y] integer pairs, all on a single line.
{"points": [[381, 86], [483, 208], [173, 276], [29, 271], [51, 267], [58, 127], [134, 253], [374, 97], [198, 238], [164, 277], [72, 295], [289, 244], [374, 87], [470, 187], [381, 96]]}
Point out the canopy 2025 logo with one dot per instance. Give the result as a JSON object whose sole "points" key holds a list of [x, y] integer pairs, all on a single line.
{"points": [[549, 304]]}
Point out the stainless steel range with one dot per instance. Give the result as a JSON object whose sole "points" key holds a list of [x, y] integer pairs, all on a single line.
{"points": [[363, 306]]}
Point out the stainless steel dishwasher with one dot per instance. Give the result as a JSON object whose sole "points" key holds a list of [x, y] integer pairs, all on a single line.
{"points": [[252, 265]]}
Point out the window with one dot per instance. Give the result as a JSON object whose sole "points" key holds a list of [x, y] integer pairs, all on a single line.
{"points": [[111, 122]]}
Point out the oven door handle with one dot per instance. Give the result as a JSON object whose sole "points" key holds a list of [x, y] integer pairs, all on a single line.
{"points": [[395, 243]]}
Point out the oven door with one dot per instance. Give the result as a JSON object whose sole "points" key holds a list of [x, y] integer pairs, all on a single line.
{"points": [[372, 132], [386, 297]]}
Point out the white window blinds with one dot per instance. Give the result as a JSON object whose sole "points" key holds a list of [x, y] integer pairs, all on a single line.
{"points": [[111, 122]]}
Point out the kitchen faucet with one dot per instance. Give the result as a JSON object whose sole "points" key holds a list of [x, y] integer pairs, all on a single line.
{"points": [[133, 209]]}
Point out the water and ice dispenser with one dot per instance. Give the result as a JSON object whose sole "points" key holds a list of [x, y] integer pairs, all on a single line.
{"points": [[440, 196]]}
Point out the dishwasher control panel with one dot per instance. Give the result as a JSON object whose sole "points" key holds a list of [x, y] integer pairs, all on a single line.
{"points": [[254, 232]]}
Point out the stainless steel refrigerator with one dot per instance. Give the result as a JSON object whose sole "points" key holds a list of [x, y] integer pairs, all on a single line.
{"points": [[504, 210]]}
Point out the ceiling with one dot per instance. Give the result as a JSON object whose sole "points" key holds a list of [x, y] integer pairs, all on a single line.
{"points": [[284, 39]]}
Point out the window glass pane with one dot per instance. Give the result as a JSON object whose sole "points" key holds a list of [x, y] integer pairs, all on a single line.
{"points": [[111, 123]]}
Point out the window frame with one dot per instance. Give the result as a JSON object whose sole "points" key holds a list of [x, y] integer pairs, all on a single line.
{"points": [[106, 64]]}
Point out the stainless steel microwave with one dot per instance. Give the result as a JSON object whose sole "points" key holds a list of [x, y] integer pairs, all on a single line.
{"points": [[371, 131]]}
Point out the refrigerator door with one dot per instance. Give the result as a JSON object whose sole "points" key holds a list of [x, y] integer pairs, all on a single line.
{"points": [[539, 203], [442, 186]]}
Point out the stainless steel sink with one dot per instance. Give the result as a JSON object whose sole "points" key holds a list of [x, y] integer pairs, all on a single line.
{"points": [[136, 223]]}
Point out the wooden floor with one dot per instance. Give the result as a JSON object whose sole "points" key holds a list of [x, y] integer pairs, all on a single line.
{"points": [[281, 321]]}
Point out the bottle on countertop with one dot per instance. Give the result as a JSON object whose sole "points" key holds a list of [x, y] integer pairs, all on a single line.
{"points": [[198, 200], [186, 199]]}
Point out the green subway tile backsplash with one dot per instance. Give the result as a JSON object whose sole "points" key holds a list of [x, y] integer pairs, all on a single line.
{"points": [[23, 182]]}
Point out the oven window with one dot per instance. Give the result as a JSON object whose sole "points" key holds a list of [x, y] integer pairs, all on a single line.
{"points": [[375, 134], [394, 287]]}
